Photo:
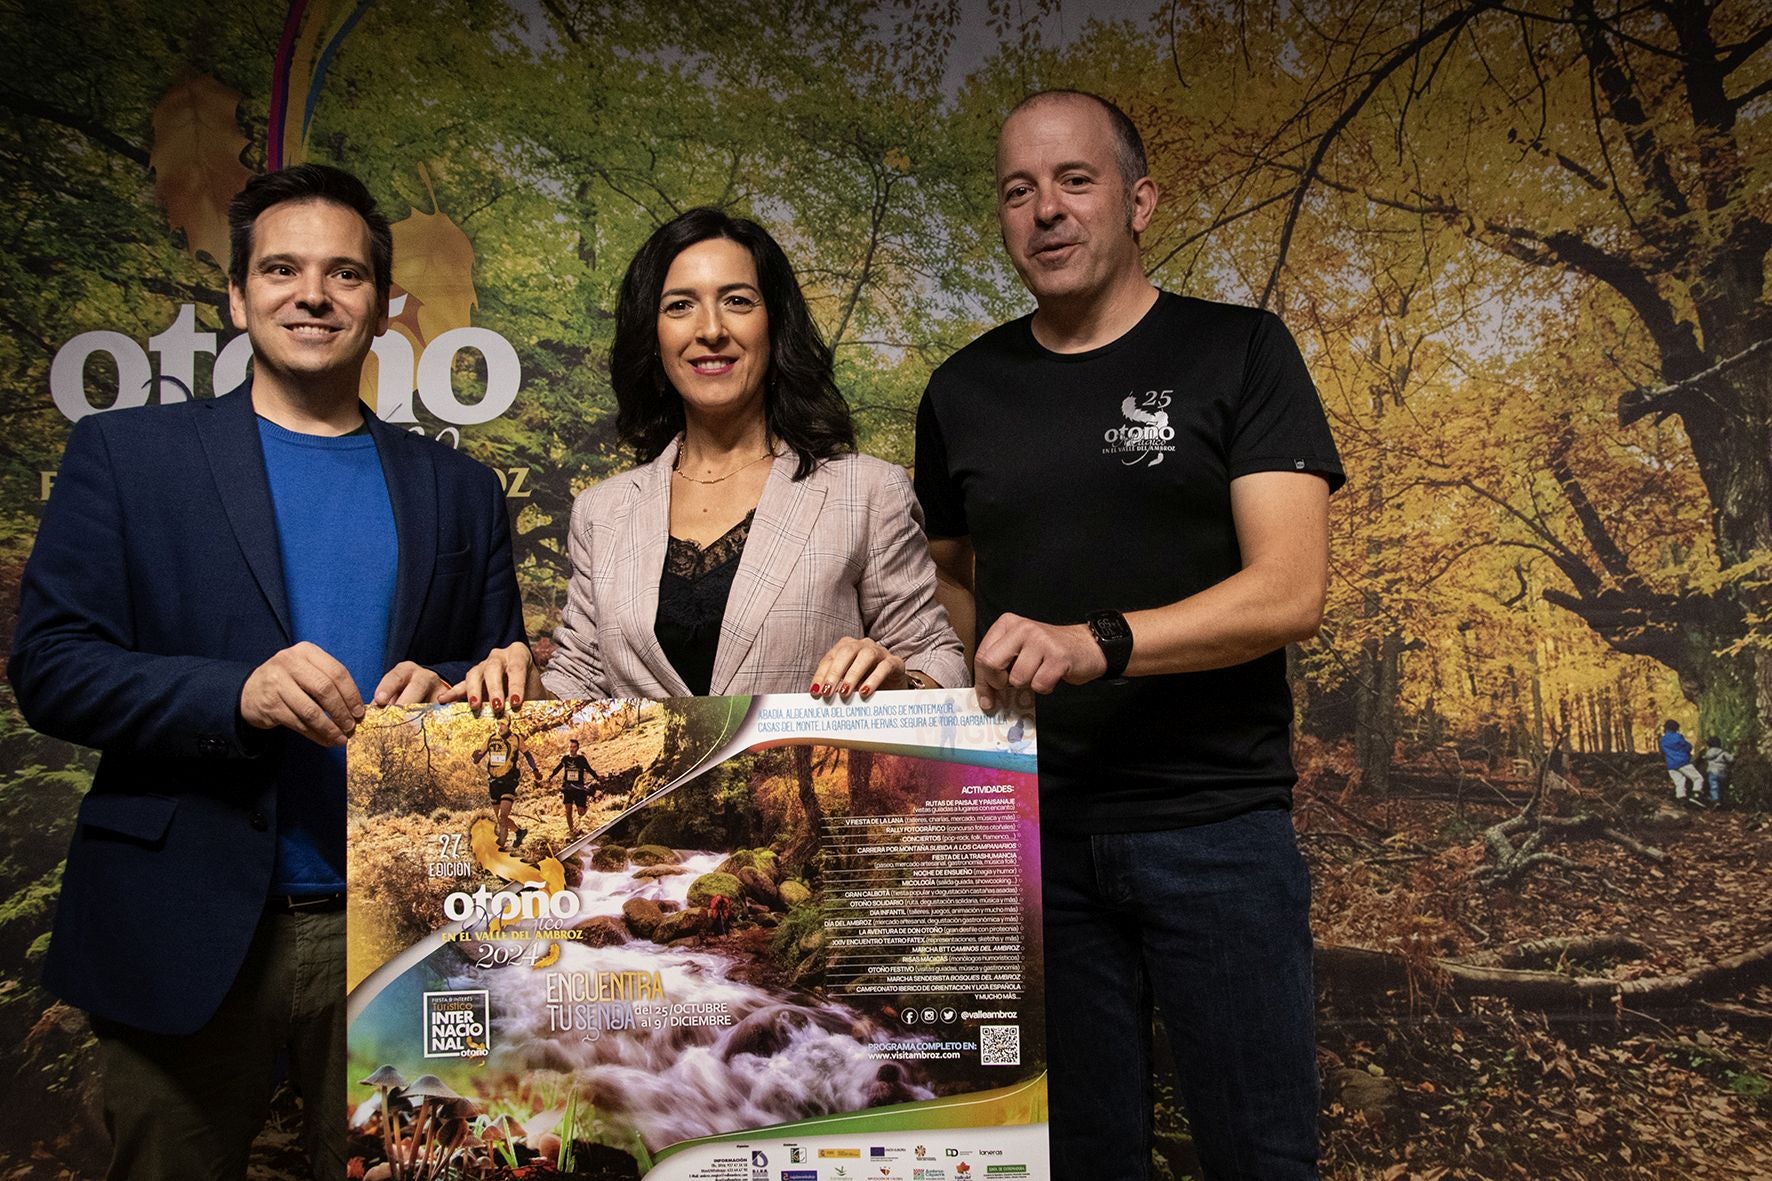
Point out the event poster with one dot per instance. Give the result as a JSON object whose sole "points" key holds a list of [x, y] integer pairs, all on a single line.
{"points": [[705, 939]]}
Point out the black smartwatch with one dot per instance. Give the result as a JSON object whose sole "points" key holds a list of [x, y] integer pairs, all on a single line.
{"points": [[1110, 631]]}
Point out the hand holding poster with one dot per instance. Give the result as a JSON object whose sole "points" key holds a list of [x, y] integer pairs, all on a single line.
{"points": [[793, 940]]}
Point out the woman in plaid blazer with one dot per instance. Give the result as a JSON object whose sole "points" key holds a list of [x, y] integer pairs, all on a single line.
{"points": [[753, 550]]}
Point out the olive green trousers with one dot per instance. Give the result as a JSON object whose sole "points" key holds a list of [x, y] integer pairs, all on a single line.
{"points": [[186, 1108]]}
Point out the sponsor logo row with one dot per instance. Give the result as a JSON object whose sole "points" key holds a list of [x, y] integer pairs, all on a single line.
{"points": [[883, 1164]]}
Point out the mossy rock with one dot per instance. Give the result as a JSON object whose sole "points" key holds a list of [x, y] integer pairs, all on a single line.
{"points": [[603, 930], [609, 858], [737, 860], [653, 855], [643, 916], [680, 925], [703, 888], [758, 886], [650, 872], [763, 861], [795, 892]]}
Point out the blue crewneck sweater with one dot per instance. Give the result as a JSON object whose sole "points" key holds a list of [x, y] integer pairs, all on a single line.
{"points": [[335, 528]]}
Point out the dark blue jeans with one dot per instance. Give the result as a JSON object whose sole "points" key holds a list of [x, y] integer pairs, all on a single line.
{"points": [[1210, 922]]}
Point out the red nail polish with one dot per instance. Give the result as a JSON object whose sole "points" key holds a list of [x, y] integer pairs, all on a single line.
{"points": [[843, 690], [497, 704], [474, 702], [866, 689], [815, 689]]}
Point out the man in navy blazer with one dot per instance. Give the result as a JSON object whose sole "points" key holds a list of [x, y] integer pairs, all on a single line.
{"points": [[214, 585]]}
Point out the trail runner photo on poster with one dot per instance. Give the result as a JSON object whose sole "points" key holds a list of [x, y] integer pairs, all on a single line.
{"points": [[704, 939]]}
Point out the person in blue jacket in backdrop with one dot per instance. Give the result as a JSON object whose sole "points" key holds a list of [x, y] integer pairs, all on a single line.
{"points": [[1678, 754]]}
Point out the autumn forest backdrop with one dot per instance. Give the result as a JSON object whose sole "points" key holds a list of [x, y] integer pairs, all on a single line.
{"points": [[1523, 247]]}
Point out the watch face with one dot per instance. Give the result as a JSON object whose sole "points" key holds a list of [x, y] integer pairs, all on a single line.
{"points": [[1109, 627], [1114, 636]]}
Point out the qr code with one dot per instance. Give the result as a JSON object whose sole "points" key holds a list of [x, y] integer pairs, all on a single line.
{"points": [[999, 1045]]}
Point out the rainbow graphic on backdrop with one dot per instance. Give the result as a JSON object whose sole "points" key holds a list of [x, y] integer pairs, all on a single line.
{"points": [[312, 34]]}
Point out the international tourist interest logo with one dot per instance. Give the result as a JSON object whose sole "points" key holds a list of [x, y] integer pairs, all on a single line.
{"points": [[456, 1024]]}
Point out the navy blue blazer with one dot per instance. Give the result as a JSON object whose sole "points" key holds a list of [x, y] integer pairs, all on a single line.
{"points": [[154, 589]]}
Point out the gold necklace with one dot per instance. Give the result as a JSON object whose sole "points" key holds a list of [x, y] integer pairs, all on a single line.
{"points": [[717, 479]]}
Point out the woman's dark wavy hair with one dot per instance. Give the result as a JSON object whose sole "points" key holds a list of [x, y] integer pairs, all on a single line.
{"points": [[801, 403]]}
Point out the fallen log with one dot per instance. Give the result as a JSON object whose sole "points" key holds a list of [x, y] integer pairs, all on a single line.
{"points": [[1541, 953], [1364, 970], [1739, 1012], [1510, 862], [1594, 826], [1411, 785]]}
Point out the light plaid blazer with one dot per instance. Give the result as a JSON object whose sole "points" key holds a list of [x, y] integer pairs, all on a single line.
{"points": [[840, 553]]}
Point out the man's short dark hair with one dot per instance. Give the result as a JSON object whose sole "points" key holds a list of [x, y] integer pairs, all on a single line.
{"points": [[307, 182], [1670, 726], [1128, 144]]}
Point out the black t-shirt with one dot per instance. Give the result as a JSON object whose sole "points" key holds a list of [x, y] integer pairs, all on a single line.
{"points": [[1101, 480], [575, 768]]}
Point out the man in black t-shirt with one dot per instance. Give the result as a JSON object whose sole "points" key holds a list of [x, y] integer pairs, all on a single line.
{"points": [[575, 788], [1128, 493]]}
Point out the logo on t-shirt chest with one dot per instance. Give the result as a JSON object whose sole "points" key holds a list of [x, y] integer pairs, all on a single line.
{"points": [[1144, 436]]}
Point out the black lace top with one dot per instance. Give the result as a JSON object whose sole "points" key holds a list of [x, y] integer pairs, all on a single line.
{"points": [[692, 601]]}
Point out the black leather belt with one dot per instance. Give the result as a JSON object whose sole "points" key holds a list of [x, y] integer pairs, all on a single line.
{"points": [[306, 904]]}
